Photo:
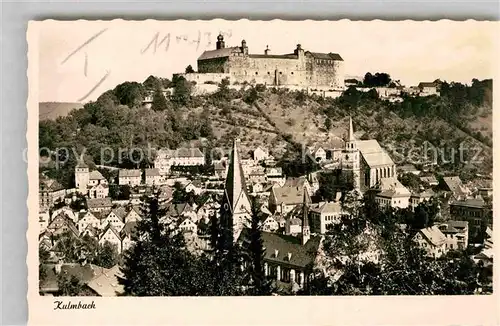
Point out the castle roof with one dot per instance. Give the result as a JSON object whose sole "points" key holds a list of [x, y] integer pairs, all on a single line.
{"points": [[326, 56], [219, 53]]}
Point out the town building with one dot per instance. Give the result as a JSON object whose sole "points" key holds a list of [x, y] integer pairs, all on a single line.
{"points": [[129, 177], [100, 190], [455, 187], [86, 219], [474, 211], [49, 192], [430, 180], [323, 215], [111, 235], [153, 177], [284, 199], [419, 197], [289, 259], [82, 177], [432, 240], [456, 233], [166, 158], [428, 88], [261, 154], [390, 192], [300, 68], [99, 204], [115, 218]]}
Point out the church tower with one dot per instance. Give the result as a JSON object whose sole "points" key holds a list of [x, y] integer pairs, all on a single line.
{"points": [[350, 160], [306, 231], [81, 177], [235, 208]]}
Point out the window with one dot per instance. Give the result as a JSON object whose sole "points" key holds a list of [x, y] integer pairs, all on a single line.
{"points": [[292, 72], [285, 275], [256, 72]]}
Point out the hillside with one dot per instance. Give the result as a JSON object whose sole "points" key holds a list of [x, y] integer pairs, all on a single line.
{"points": [[280, 120], [53, 110]]}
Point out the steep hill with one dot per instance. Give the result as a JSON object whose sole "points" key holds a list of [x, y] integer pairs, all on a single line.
{"points": [[53, 110]]}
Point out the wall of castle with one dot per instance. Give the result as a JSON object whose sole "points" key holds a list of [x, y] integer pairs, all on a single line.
{"points": [[215, 65], [202, 78], [326, 72], [268, 70]]}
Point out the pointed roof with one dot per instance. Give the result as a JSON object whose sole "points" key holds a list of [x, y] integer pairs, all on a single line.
{"points": [[306, 200], [235, 186], [350, 135]]}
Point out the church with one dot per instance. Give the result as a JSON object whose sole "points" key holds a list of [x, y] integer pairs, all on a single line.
{"points": [[300, 68], [366, 160]]}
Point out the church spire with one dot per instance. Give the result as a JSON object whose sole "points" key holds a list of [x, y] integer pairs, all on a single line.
{"points": [[350, 136], [306, 231], [235, 181]]}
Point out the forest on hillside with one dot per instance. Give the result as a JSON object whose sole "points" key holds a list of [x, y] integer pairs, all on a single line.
{"points": [[117, 119]]}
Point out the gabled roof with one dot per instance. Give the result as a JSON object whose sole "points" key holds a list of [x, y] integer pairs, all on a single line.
{"points": [[391, 187], [178, 209], [434, 235], [455, 185], [110, 227], [99, 203], [84, 273], [429, 179], [152, 172], [120, 212], [106, 284], [298, 182], [128, 229], [302, 256], [288, 195], [327, 208], [470, 202], [49, 185], [427, 84], [129, 173], [95, 175], [373, 153]]}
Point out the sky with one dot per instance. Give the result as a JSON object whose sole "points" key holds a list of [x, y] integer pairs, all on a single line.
{"points": [[79, 60]]}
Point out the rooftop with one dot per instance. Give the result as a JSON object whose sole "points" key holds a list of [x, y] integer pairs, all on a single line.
{"points": [[434, 235], [129, 173], [373, 153]]}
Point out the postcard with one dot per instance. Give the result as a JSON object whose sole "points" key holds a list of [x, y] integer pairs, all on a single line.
{"points": [[261, 172]]}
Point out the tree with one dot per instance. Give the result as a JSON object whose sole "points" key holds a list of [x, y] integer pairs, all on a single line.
{"points": [[258, 282], [69, 286], [189, 70], [130, 94], [159, 263], [159, 101], [328, 124], [182, 91], [107, 255]]}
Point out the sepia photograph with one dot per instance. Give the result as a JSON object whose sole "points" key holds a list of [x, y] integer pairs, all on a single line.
{"points": [[262, 158]]}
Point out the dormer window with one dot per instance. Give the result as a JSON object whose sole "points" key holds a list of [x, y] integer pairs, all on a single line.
{"points": [[276, 252], [289, 256]]}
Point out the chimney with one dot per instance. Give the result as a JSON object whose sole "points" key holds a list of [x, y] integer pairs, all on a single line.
{"points": [[266, 51]]}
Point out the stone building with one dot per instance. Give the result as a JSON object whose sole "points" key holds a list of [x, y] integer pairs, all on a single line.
{"points": [[301, 68]]}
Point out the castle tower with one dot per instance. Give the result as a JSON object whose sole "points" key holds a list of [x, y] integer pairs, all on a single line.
{"points": [[350, 160], [220, 42], [244, 47], [235, 208], [306, 231], [81, 177]]}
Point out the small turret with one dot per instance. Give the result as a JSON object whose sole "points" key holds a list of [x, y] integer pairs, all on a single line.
{"points": [[220, 42]]}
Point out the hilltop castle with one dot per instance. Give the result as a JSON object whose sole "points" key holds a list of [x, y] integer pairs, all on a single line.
{"points": [[300, 68]]}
